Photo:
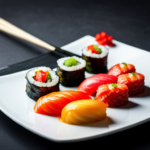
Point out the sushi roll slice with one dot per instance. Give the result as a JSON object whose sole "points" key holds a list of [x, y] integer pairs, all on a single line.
{"points": [[53, 103], [96, 58], [134, 81], [83, 112], [121, 68], [114, 95], [41, 81], [71, 70]]}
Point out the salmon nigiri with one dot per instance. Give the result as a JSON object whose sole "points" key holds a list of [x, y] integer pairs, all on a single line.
{"points": [[53, 103], [114, 95], [121, 68], [83, 112], [134, 81]]}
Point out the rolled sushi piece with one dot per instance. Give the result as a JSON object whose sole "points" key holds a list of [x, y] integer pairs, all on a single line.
{"points": [[96, 58], [134, 81], [114, 95], [71, 70], [83, 112], [121, 68], [41, 81]]}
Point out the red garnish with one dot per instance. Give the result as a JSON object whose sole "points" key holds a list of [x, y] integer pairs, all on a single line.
{"points": [[40, 76], [104, 39], [90, 47]]}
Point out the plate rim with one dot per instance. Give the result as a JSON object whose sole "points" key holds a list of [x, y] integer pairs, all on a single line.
{"points": [[71, 140]]}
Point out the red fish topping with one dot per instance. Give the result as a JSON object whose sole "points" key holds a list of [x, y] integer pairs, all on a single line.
{"points": [[134, 81], [42, 76], [114, 95], [91, 84], [94, 49], [122, 68]]}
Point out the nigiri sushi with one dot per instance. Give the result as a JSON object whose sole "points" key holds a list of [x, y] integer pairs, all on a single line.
{"points": [[53, 103], [91, 84], [114, 95], [121, 68], [83, 112], [134, 81]]}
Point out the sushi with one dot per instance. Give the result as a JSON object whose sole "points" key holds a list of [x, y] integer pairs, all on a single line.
{"points": [[121, 68], [134, 81], [41, 81], [71, 70], [96, 58], [114, 95], [53, 103], [83, 112], [91, 84]]}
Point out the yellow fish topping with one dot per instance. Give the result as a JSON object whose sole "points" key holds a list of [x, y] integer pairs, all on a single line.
{"points": [[83, 112]]}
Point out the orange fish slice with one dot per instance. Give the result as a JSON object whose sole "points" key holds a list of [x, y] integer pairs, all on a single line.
{"points": [[83, 112], [53, 103]]}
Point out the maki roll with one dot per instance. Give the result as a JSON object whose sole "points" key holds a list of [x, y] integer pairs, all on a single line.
{"points": [[134, 81], [41, 81], [96, 58], [71, 70], [114, 95]]}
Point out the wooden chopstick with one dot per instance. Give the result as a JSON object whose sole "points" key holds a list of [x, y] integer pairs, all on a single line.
{"points": [[15, 31], [9, 28]]}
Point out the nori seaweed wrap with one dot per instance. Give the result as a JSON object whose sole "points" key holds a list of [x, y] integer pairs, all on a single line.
{"points": [[36, 89], [71, 75], [96, 63]]}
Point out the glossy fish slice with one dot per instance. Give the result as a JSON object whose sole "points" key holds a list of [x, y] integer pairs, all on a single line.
{"points": [[134, 81], [121, 68], [91, 84], [83, 112], [114, 95], [53, 103]]}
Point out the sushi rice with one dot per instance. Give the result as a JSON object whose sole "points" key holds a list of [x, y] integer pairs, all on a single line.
{"points": [[93, 55], [31, 74], [81, 64]]}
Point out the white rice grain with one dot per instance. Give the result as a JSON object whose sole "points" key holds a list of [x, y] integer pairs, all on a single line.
{"points": [[81, 64], [31, 74], [90, 54]]}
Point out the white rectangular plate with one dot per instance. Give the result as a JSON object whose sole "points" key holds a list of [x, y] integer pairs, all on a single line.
{"points": [[16, 105]]}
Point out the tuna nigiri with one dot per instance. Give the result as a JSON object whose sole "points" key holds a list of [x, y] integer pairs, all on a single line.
{"points": [[83, 112], [53, 103], [121, 68], [114, 95], [134, 81], [91, 84]]}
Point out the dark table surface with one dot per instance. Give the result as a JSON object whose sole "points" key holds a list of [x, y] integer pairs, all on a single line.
{"points": [[61, 22]]}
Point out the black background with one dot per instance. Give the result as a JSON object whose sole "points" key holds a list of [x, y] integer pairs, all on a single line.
{"points": [[59, 23]]}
